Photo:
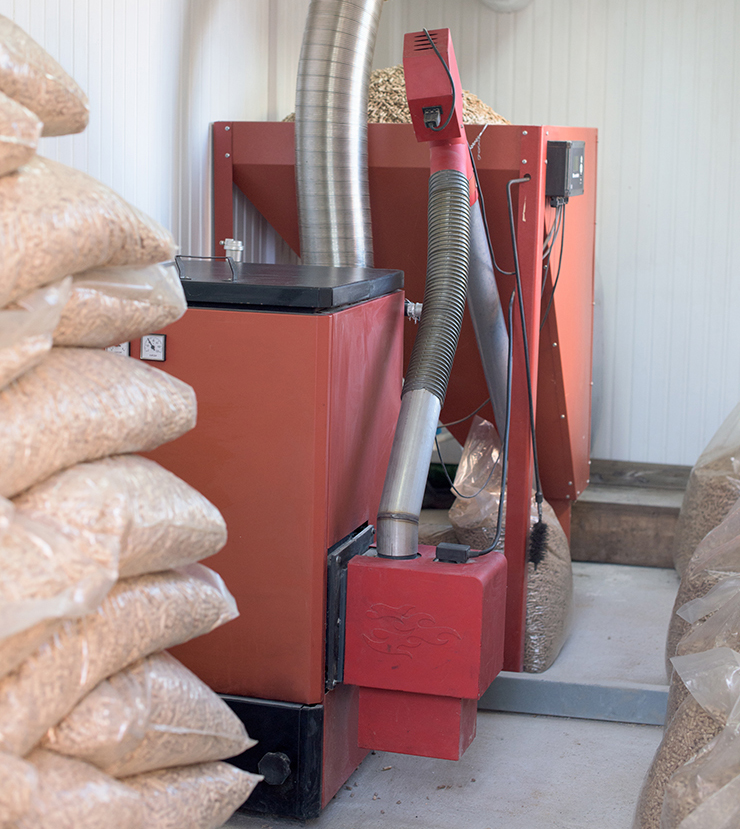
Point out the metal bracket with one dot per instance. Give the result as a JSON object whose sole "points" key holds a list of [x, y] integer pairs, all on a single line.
{"points": [[338, 557]]}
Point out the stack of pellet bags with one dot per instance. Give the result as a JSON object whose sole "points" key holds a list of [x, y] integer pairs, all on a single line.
{"points": [[694, 779], [99, 727]]}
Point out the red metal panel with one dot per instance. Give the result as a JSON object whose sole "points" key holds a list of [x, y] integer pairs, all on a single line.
{"points": [[341, 750], [223, 174], [419, 724], [268, 440], [424, 626]]}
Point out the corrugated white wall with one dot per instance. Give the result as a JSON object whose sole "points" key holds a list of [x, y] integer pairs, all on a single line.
{"points": [[659, 78]]}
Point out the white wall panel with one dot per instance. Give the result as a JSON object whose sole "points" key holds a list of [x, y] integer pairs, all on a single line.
{"points": [[660, 79]]}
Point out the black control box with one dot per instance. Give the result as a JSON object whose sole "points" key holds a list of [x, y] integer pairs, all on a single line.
{"points": [[564, 170]]}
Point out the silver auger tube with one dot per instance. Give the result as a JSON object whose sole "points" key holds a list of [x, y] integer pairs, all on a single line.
{"points": [[426, 380], [487, 316]]}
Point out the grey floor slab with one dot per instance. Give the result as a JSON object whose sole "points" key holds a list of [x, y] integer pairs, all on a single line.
{"points": [[521, 772]]}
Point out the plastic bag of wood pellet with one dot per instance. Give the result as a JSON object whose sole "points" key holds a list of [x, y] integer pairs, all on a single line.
{"points": [[716, 558], [150, 517], [114, 305], [75, 795], [46, 576], [18, 786], [56, 221], [705, 792], [81, 404], [474, 516], [713, 680], [30, 75], [713, 488], [20, 131], [155, 714], [202, 796], [26, 329], [138, 617]]}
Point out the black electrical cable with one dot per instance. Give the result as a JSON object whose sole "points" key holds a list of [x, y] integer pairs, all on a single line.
{"points": [[557, 274], [467, 417], [546, 257], [485, 219], [505, 449], [552, 232], [452, 83], [538, 486]]}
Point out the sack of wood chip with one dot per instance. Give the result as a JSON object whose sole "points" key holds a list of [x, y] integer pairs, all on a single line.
{"points": [[114, 305], [715, 623], [705, 792], [46, 576], [30, 75], [150, 517], [713, 488], [138, 617], [203, 796], [713, 681], [155, 714], [81, 404], [26, 329], [56, 221], [18, 787], [716, 558], [75, 795], [20, 131], [474, 515]]}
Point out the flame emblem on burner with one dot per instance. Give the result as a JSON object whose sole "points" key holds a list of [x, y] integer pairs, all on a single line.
{"points": [[399, 630]]}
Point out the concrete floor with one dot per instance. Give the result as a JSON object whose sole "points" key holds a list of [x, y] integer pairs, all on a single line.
{"points": [[525, 771]]}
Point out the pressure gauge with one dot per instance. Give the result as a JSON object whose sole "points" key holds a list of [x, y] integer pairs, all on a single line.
{"points": [[153, 347]]}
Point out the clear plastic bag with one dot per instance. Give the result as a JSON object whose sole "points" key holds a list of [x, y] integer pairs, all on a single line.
{"points": [[550, 583], [26, 329], [713, 680], [82, 404], [155, 714], [150, 517], [705, 792], [20, 131], [18, 786], [56, 221], [203, 796], [716, 558], [46, 577], [713, 488], [139, 616], [75, 795], [30, 75], [114, 305]]}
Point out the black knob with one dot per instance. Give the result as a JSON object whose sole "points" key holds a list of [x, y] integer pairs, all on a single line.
{"points": [[274, 767]]}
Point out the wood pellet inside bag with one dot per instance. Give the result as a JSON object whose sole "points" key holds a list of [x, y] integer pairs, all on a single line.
{"points": [[20, 131], [29, 74], [46, 576], [18, 786], [712, 777], [713, 680], [716, 558], [202, 796], [550, 582], [139, 616], [713, 488], [82, 404], [154, 714], [75, 795], [56, 221], [153, 518], [387, 102], [114, 305], [26, 329]]}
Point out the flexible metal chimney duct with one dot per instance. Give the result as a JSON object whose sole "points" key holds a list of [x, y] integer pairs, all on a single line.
{"points": [[331, 132]]}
